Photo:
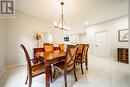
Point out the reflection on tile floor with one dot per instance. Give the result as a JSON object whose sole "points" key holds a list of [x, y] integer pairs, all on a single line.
{"points": [[103, 72]]}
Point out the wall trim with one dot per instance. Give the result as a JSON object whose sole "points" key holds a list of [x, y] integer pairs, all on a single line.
{"points": [[11, 66], [14, 66], [2, 71]]}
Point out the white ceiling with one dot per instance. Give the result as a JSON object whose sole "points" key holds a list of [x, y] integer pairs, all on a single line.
{"points": [[76, 11]]}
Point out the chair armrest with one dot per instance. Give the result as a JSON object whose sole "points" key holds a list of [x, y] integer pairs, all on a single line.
{"points": [[36, 59], [33, 59], [36, 64]]}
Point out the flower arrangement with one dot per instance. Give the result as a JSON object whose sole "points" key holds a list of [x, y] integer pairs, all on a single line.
{"points": [[37, 37]]}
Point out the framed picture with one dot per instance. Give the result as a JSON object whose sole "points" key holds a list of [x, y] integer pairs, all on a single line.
{"points": [[123, 35]]}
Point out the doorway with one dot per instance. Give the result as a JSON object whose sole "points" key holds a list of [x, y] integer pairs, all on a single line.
{"points": [[101, 48]]}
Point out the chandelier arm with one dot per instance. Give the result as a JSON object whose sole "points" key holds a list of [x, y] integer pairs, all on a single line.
{"points": [[59, 21], [62, 16], [65, 29], [64, 22]]}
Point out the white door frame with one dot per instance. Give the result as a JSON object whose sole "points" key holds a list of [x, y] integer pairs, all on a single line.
{"points": [[108, 42]]}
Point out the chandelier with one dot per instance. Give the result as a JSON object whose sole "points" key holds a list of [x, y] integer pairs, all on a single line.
{"points": [[61, 23]]}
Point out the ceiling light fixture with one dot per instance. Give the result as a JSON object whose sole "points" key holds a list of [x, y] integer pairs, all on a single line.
{"points": [[61, 23]]}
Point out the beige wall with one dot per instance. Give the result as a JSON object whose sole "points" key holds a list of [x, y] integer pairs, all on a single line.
{"points": [[2, 44], [82, 38], [21, 30]]}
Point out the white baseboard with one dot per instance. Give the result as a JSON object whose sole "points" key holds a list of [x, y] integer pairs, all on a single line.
{"points": [[11, 66], [2, 71], [14, 65]]}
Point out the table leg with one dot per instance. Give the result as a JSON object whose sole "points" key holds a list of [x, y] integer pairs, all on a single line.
{"points": [[47, 72]]}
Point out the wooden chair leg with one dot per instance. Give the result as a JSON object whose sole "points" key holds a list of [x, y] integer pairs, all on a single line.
{"points": [[26, 80], [30, 81], [86, 63], [65, 78], [82, 67], [54, 73], [75, 73], [51, 74]]}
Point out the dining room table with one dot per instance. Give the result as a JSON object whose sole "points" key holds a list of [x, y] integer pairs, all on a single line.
{"points": [[51, 58]]}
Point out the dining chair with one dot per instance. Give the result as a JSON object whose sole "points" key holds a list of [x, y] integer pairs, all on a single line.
{"points": [[38, 54], [62, 47], [33, 69], [68, 64], [48, 47], [80, 49], [82, 57]]}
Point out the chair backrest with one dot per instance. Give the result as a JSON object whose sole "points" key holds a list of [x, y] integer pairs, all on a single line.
{"points": [[27, 58], [37, 52], [80, 49], [61, 47], [85, 50], [48, 47], [70, 56]]}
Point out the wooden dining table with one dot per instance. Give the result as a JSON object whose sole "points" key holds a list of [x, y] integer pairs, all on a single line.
{"points": [[49, 59]]}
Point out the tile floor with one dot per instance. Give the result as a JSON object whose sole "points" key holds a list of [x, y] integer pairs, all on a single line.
{"points": [[103, 72]]}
